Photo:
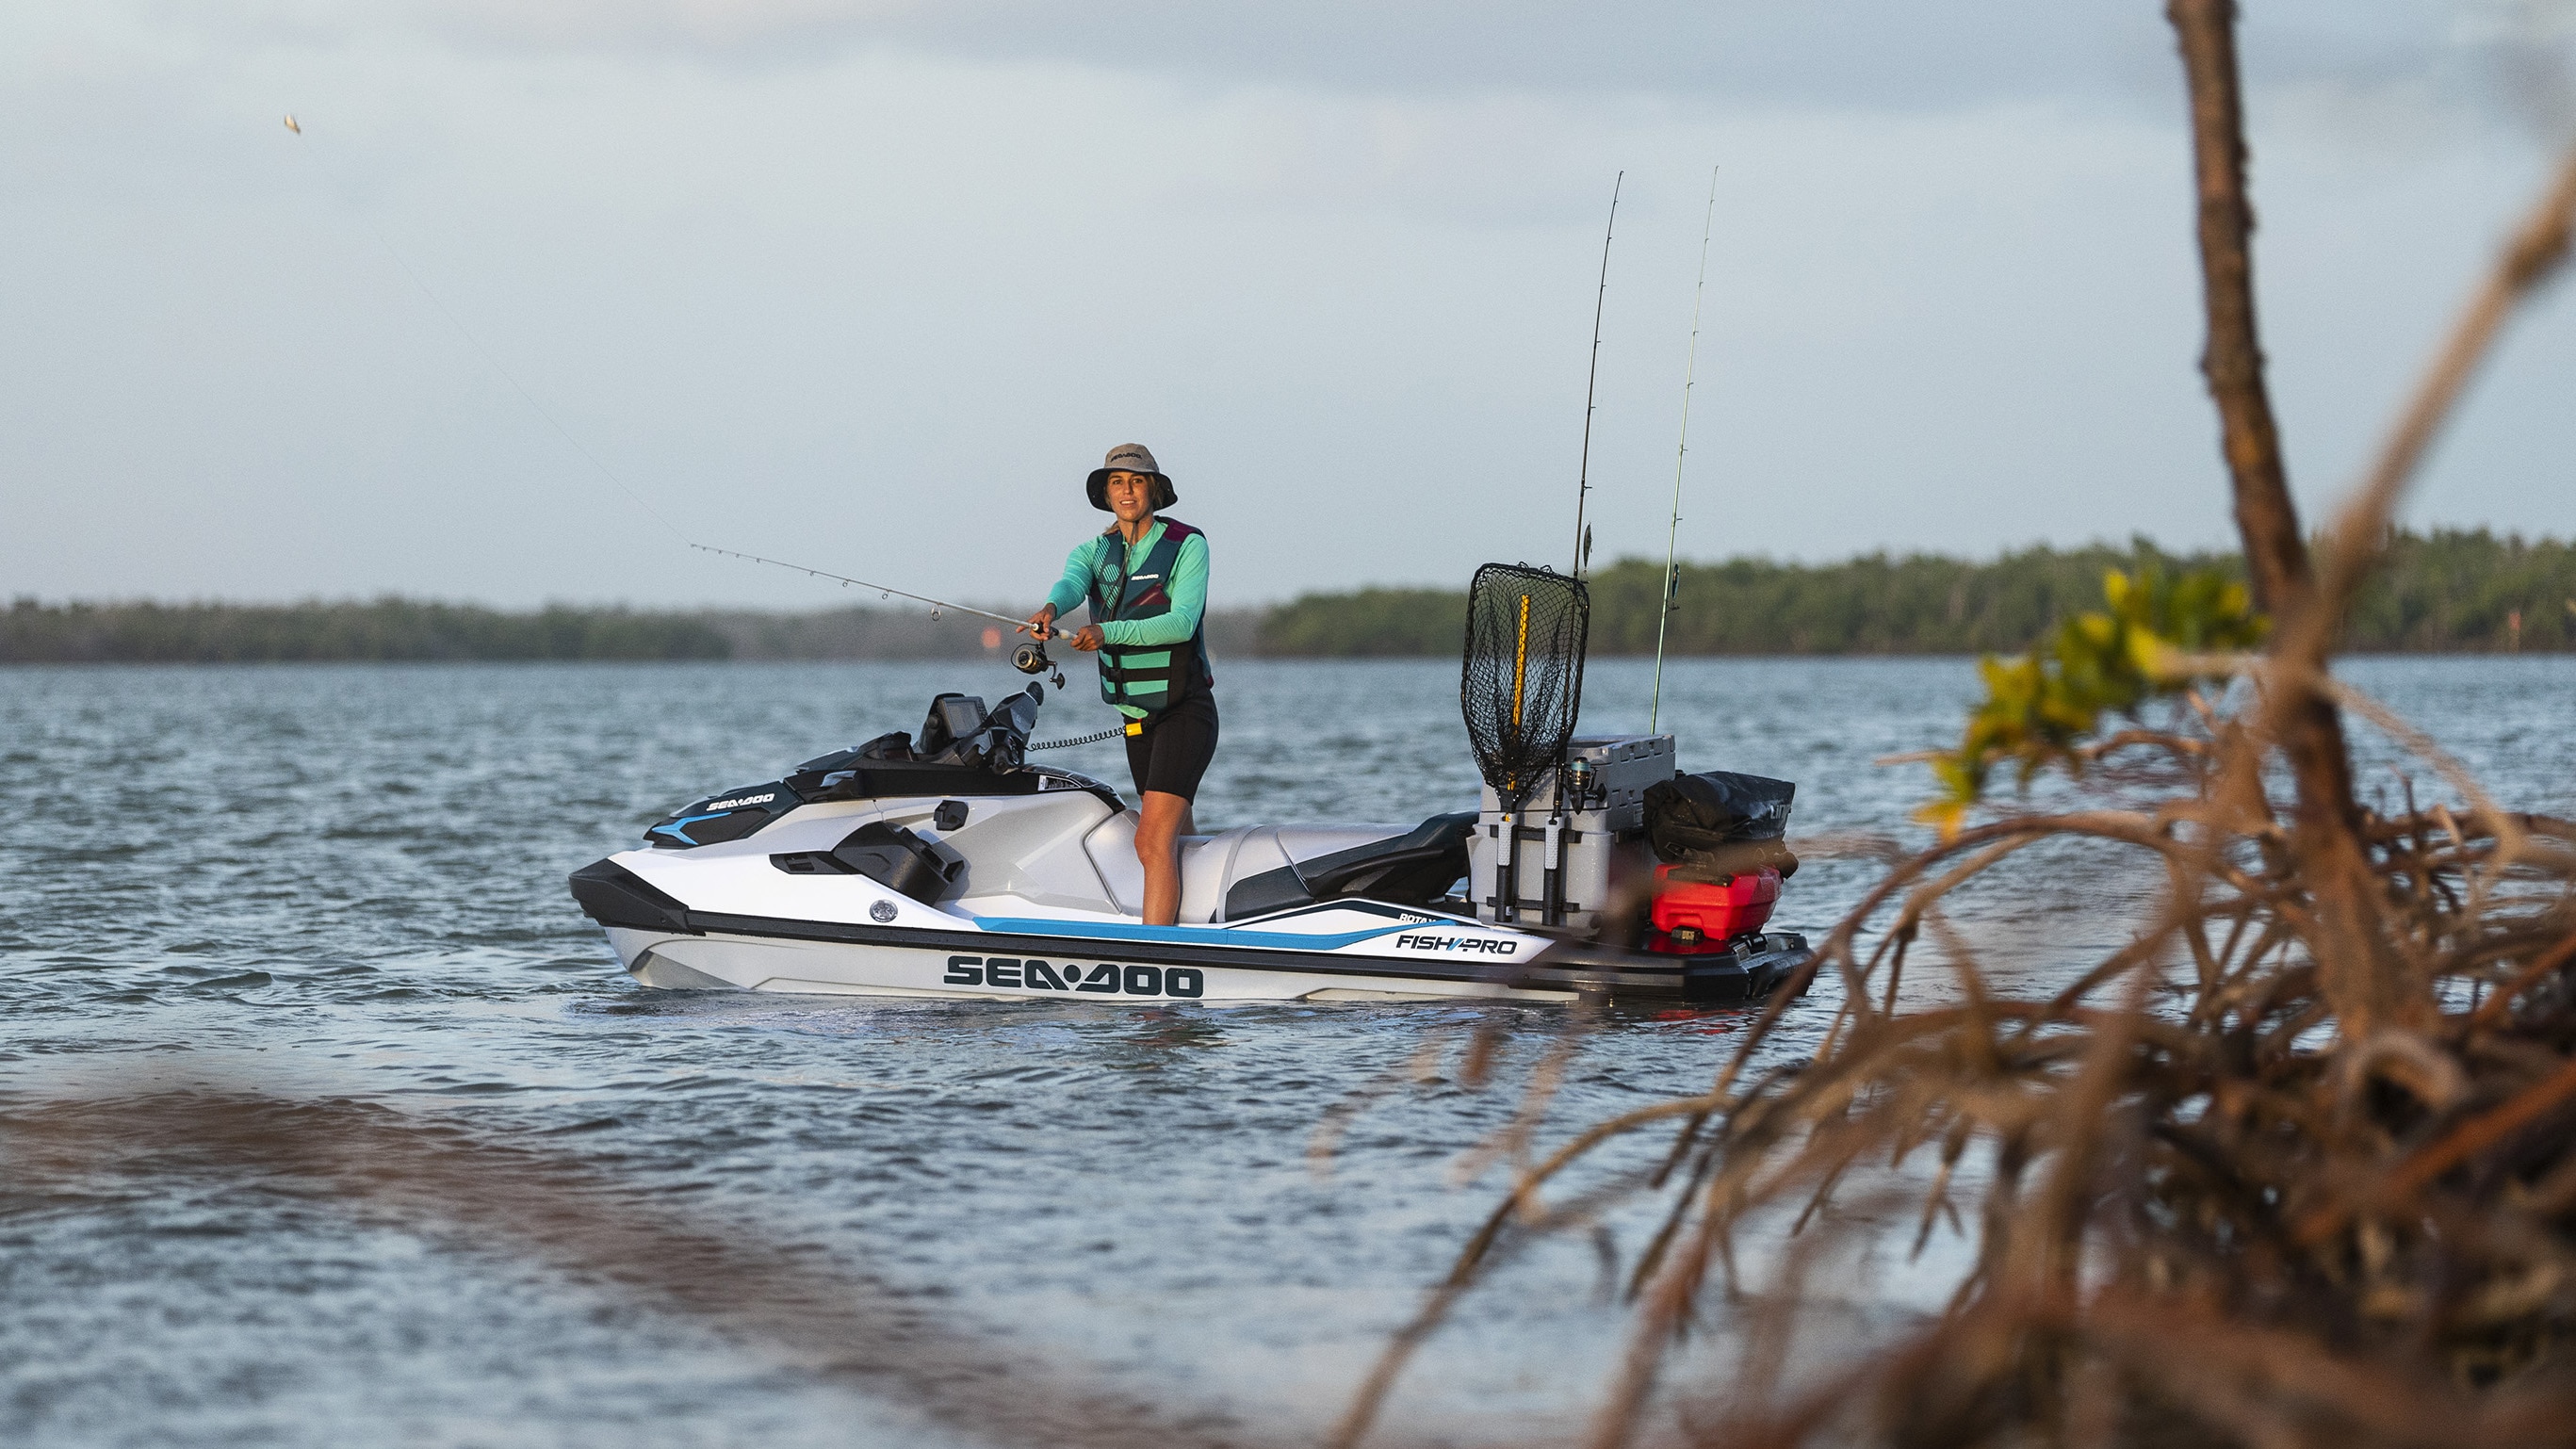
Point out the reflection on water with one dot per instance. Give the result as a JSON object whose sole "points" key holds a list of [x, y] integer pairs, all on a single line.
{"points": [[324, 1115]]}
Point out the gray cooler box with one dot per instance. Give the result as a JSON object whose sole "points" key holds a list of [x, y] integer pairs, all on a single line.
{"points": [[1601, 852]]}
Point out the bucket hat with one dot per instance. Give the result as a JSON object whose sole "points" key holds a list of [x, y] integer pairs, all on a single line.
{"points": [[1130, 458]]}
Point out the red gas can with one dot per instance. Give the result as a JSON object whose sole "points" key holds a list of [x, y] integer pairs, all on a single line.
{"points": [[1695, 915]]}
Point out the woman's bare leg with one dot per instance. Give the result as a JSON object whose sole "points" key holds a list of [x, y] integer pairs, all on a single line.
{"points": [[1158, 832]]}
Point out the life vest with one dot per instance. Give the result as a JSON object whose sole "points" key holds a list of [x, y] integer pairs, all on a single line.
{"points": [[1145, 680]]}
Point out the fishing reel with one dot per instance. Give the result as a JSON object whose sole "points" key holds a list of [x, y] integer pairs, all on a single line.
{"points": [[1031, 658]]}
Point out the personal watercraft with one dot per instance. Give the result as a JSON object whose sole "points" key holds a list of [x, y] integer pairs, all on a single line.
{"points": [[948, 864]]}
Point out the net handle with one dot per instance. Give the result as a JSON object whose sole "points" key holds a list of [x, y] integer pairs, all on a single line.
{"points": [[1520, 664]]}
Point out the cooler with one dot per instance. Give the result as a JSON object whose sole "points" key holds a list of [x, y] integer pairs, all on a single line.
{"points": [[1600, 854]]}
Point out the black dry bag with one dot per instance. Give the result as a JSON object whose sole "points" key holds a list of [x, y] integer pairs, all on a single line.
{"points": [[1691, 817]]}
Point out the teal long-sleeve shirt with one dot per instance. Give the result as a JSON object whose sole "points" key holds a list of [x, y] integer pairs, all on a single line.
{"points": [[1187, 587]]}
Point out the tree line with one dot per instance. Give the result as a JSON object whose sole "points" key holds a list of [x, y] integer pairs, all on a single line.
{"points": [[377, 629], [2444, 591]]}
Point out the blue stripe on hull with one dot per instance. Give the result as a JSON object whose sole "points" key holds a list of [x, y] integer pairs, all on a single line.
{"points": [[1184, 935]]}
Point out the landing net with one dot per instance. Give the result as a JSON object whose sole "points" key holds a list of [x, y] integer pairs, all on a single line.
{"points": [[1522, 683]]}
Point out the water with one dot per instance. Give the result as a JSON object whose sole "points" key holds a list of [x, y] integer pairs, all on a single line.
{"points": [[331, 1119]]}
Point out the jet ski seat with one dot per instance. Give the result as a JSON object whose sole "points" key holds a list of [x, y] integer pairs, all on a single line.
{"points": [[1415, 868], [1258, 869]]}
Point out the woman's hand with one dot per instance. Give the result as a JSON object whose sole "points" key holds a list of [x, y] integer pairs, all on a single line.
{"points": [[1087, 638], [1040, 622]]}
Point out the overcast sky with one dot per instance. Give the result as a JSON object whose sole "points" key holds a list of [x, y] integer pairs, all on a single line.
{"points": [[874, 284]]}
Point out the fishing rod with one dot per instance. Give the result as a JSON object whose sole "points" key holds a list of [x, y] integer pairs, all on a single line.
{"points": [[1672, 533], [884, 591], [1583, 469], [1028, 658]]}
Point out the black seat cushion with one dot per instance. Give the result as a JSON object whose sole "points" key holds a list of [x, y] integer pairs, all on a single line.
{"points": [[1412, 869]]}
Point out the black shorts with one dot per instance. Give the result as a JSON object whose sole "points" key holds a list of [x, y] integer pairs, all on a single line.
{"points": [[1175, 748]]}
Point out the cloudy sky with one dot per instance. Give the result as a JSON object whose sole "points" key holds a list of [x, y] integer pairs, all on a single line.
{"points": [[547, 287]]}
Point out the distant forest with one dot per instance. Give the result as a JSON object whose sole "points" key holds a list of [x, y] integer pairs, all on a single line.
{"points": [[2442, 592]]}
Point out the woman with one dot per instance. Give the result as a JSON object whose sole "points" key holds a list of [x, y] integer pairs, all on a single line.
{"points": [[1145, 580]]}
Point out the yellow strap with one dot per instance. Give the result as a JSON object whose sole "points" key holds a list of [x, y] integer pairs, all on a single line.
{"points": [[1520, 663]]}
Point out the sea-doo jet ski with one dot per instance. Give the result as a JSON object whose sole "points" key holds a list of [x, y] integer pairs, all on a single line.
{"points": [[949, 865]]}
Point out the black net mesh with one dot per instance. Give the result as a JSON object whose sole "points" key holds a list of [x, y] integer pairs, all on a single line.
{"points": [[1522, 683]]}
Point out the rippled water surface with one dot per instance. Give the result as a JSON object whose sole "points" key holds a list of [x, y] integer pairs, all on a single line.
{"points": [[331, 1120]]}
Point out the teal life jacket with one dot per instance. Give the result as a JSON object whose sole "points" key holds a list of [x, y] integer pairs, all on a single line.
{"points": [[1144, 681]]}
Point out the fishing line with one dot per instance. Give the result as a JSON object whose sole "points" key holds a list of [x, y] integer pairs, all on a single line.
{"points": [[1672, 533], [332, 179], [1583, 469], [332, 182]]}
